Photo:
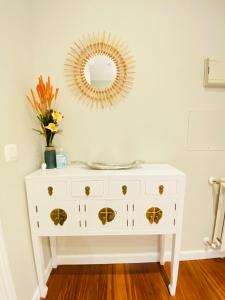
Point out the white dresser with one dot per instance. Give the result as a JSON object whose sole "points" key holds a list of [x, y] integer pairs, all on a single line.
{"points": [[78, 201]]}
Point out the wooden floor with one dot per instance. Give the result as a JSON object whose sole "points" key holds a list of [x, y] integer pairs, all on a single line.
{"points": [[199, 279]]}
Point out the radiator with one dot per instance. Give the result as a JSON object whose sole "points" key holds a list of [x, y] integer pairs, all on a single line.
{"points": [[218, 232]]}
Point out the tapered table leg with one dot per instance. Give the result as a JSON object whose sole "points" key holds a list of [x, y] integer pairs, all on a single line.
{"points": [[162, 249], [39, 261], [174, 263], [52, 240]]}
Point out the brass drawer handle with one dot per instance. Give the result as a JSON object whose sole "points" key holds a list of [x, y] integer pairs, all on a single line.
{"points": [[106, 214], [124, 189], [154, 214], [161, 189], [58, 216], [50, 190], [87, 190]]}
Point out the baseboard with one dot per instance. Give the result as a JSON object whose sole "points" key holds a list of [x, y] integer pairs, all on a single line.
{"points": [[107, 258], [87, 259], [36, 295], [201, 254], [134, 257]]}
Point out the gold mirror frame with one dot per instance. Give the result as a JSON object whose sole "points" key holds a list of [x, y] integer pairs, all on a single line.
{"points": [[80, 54]]}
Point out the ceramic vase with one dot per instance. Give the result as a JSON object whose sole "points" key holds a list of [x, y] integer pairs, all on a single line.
{"points": [[50, 157]]}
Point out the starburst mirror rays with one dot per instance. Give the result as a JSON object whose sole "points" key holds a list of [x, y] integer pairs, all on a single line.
{"points": [[99, 68]]}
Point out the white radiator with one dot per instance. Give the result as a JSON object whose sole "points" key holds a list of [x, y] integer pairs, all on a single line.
{"points": [[218, 233]]}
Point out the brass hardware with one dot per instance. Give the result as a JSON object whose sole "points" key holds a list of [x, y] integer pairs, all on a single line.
{"points": [[36, 208], [161, 189], [50, 190], [58, 216], [106, 214], [38, 224], [87, 190], [124, 189], [154, 214]]}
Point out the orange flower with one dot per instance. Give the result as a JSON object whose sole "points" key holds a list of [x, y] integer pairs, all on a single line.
{"points": [[45, 94]]}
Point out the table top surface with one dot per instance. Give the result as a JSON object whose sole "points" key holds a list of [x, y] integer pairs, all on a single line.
{"points": [[143, 169]]}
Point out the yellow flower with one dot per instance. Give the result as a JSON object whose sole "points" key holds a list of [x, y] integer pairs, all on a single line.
{"points": [[52, 127], [57, 116]]}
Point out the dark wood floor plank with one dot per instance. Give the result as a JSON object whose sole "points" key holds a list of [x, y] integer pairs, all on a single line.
{"points": [[198, 280]]}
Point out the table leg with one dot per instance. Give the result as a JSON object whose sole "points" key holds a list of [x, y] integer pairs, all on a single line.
{"points": [[52, 240], [162, 249], [174, 264], [39, 261]]}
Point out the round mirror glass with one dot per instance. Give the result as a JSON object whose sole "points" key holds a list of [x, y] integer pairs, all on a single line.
{"points": [[100, 71]]}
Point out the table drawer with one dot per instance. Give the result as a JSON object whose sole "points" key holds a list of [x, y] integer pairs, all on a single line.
{"points": [[160, 188], [124, 187], [87, 188], [48, 190]]}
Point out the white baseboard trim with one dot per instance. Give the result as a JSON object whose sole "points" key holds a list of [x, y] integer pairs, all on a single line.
{"points": [[87, 259], [116, 258], [134, 257], [201, 254], [36, 295]]}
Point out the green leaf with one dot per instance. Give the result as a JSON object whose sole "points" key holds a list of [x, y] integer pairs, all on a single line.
{"points": [[39, 131]]}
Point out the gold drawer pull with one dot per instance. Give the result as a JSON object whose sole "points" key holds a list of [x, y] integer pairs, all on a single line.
{"points": [[154, 214], [50, 190], [58, 216], [106, 214], [161, 189], [124, 189], [87, 190]]}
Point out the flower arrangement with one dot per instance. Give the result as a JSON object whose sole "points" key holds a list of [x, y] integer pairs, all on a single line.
{"points": [[44, 107]]}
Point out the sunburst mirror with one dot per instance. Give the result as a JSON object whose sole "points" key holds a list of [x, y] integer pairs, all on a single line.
{"points": [[99, 68]]}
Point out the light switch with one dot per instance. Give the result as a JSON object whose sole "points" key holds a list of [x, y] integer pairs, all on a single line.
{"points": [[11, 152]]}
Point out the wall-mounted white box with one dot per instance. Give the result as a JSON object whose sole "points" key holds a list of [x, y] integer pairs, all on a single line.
{"points": [[11, 152], [214, 73]]}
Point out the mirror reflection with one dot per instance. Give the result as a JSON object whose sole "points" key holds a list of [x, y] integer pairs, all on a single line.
{"points": [[100, 71]]}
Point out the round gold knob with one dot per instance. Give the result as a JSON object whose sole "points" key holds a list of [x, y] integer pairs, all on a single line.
{"points": [[106, 214], [154, 214], [58, 216]]}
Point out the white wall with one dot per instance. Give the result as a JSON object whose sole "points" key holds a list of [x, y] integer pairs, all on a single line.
{"points": [[169, 40], [16, 124]]}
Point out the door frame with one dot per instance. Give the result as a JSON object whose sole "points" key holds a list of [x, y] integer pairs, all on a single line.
{"points": [[7, 290]]}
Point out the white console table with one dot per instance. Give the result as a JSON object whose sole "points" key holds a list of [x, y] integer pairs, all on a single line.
{"points": [[78, 201]]}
